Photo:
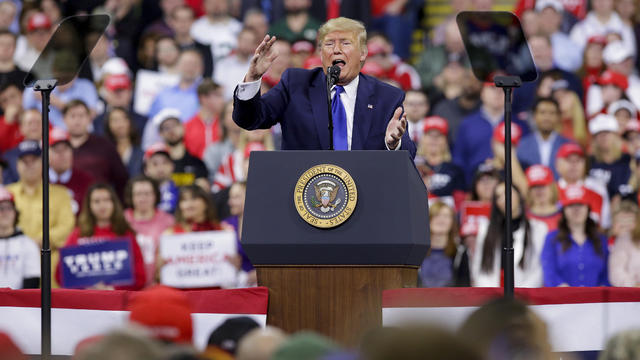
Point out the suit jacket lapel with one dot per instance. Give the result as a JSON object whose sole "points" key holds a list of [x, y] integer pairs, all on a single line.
{"points": [[362, 114], [318, 95]]}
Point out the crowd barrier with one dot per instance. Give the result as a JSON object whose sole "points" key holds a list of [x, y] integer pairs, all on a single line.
{"points": [[578, 318], [79, 314]]}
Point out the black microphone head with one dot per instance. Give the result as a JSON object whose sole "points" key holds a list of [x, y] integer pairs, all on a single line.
{"points": [[333, 73]]}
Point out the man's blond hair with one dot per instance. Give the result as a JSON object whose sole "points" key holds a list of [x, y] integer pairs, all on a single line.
{"points": [[347, 25]]}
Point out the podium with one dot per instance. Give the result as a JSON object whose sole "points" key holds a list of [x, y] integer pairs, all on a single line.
{"points": [[330, 279]]}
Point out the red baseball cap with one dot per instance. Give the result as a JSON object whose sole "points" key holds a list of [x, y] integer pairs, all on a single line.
{"points": [[538, 175], [436, 123], [614, 78], [499, 135], [57, 135], [38, 21], [253, 146], [569, 149], [164, 311], [157, 148], [5, 195], [574, 194], [597, 39], [632, 126], [116, 82], [302, 45]]}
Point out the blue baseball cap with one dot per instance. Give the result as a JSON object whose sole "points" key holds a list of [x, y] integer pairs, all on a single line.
{"points": [[29, 147]]}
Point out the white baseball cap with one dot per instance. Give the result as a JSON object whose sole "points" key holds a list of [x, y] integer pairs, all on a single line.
{"points": [[543, 4], [615, 53], [603, 122]]}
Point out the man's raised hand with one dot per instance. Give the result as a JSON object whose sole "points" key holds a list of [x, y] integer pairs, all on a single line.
{"points": [[262, 59], [395, 129]]}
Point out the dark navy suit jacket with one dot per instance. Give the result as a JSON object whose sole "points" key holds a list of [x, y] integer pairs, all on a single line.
{"points": [[299, 103]]}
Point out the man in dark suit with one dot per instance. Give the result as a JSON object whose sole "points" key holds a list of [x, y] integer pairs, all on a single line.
{"points": [[367, 113]]}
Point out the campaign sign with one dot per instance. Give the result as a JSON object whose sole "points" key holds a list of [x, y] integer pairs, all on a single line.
{"points": [[108, 262], [198, 259], [472, 211]]}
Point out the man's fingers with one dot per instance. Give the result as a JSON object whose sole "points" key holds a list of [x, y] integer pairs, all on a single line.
{"points": [[397, 113]]}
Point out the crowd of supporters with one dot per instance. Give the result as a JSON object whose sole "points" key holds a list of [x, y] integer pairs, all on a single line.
{"points": [[142, 143]]}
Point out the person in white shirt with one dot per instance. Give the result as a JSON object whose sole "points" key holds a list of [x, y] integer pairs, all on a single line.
{"points": [[528, 240], [19, 255], [217, 28], [602, 20], [230, 70]]}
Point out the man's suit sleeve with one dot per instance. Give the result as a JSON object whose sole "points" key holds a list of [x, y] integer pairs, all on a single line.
{"points": [[262, 111]]}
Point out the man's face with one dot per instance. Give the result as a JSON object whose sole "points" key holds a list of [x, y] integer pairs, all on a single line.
{"points": [[159, 167], [181, 21], [384, 48], [213, 101], [171, 131], [296, 6], [31, 125], [571, 168], [30, 168], [258, 23], [7, 47], [216, 8], [77, 120], [61, 157], [11, 96], [342, 48], [552, 20], [38, 38], [246, 43], [167, 6], [541, 51], [492, 97], [416, 106], [190, 66], [7, 14], [546, 116], [118, 98]]}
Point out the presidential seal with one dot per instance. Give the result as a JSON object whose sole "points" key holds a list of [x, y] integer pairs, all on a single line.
{"points": [[325, 196]]}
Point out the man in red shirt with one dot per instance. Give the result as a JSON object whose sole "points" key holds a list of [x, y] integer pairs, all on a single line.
{"points": [[393, 68], [11, 105], [203, 128]]}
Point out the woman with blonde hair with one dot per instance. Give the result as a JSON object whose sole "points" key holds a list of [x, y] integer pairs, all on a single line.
{"points": [[446, 263], [573, 123], [542, 197], [443, 178]]}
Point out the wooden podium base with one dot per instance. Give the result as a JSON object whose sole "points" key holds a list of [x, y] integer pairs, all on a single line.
{"points": [[340, 302]]}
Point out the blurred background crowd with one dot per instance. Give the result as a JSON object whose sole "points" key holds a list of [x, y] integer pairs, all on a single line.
{"points": [[143, 144], [160, 326]]}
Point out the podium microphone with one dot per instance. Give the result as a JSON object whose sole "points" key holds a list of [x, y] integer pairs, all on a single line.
{"points": [[333, 74]]}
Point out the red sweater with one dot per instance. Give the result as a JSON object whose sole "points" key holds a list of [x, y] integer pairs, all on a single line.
{"points": [[106, 234], [198, 135]]}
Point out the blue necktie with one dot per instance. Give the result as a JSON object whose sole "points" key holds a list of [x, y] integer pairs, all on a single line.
{"points": [[339, 121]]}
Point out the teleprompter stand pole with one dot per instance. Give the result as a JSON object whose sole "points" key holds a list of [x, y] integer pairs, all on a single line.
{"points": [[508, 83], [45, 87]]}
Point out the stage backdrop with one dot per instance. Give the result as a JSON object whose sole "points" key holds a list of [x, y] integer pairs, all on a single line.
{"points": [[79, 314], [578, 319]]}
